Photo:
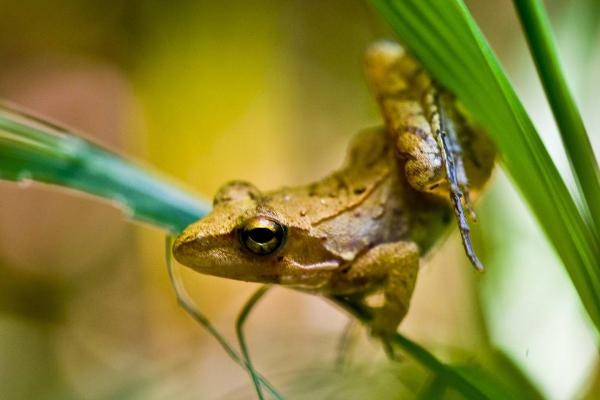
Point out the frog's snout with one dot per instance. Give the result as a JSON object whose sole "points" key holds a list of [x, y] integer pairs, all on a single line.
{"points": [[183, 247], [183, 239], [207, 250], [191, 245], [205, 245]]}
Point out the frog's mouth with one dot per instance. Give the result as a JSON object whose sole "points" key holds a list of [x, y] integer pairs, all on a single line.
{"points": [[224, 256], [223, 261]]}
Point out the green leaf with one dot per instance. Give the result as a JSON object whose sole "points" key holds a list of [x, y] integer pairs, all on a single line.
{"points": [[570, 124], [501, 379], [31, 149], [445, 38]]}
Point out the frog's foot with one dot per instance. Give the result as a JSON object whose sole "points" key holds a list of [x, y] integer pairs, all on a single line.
{"points": [[459, 193], [383, 329], [347, 344], [464, 188], [390, 352]]}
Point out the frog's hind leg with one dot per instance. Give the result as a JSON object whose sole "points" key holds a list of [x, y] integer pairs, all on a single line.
{"points": [[445, 127], [457, 179], [424, 135], [347, 343], [399, 84]]}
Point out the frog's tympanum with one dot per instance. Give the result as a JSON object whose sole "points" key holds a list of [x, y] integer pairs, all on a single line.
{"points": [[362, 229]]}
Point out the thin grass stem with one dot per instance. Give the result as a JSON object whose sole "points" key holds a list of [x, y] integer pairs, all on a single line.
{"points": [[448, 374], [239, 329], [187, 303]]}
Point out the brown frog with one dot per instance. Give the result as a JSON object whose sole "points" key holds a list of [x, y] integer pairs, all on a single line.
{"points": [[363, 229]]}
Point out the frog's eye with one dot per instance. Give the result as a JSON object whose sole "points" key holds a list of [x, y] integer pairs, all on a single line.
{"points": [[262, 235]]}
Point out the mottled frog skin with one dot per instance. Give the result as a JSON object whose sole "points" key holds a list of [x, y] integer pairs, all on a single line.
{"points": [[362, 229]]}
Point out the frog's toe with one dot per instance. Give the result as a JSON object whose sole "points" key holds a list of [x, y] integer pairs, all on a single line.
{"points": [[382, 326], [382, 330]]}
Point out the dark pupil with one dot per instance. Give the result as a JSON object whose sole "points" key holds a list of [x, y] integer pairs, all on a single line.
{"points": [[261, 235]]}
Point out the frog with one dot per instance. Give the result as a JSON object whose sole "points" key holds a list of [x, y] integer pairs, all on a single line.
{"points": [[361, 231]]}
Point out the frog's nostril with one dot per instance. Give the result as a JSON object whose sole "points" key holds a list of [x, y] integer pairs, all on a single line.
{"points": [[189, 238], [183, 242], [185, 249]]}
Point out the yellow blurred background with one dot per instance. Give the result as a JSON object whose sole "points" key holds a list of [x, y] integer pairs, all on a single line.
{"points": [[269, 92]]}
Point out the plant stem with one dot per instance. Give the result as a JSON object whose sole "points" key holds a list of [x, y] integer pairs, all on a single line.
{"points": [[239, 330], [448, 374], [538, 32]]}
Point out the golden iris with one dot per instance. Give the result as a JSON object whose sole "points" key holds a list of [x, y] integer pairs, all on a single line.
{"points": [[262, 235]]}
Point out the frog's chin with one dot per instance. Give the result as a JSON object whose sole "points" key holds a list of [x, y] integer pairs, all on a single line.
{"points": [[230, 269], [225, 262]]}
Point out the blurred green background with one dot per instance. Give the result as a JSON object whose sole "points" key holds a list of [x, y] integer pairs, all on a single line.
{"points": [[270, 92]]}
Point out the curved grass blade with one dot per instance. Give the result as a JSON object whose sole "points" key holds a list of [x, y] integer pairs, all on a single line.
{"points": [[31, 149], [186, 302], [445, 38], [239, 329], [579, 150], [473, 382]]}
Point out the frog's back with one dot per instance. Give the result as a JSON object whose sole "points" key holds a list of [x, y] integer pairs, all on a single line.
{"points": [[366, 203], [369, 163]]}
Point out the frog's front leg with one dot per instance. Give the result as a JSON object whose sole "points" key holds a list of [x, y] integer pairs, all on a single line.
{"points": [[390, 268]]}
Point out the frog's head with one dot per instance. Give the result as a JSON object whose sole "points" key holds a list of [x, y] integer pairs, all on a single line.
{"points": [[247, 237]]}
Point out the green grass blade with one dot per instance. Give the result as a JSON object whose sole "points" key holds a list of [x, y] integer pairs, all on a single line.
{"points": [[445, 38], [447, 374], [33, 150], [187, 303], [572, 130], [472, 381], [239, 330]]}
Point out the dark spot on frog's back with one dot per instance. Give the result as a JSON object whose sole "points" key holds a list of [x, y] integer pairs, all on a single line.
{"points": [[417, 131], [359, 190], [446, 217]]}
